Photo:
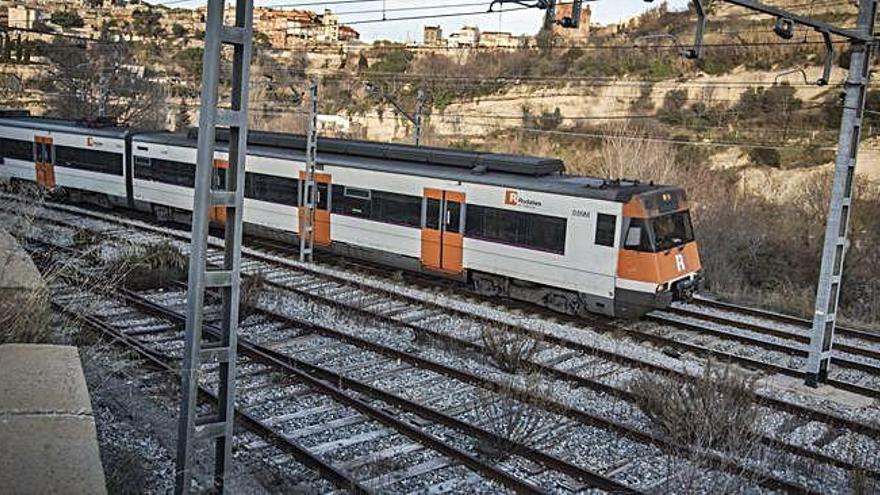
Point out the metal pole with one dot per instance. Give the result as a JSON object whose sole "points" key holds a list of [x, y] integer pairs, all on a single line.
{"points": [[837, 226], [420, 103], [310, 185], [216, 425]]}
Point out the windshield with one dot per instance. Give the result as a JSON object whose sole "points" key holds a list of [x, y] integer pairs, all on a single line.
{"points": [[659, 233], [672, 230]]}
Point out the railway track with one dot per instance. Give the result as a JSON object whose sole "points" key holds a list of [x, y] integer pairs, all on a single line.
{"points": [[418, 315], [289, 403], [170, 336], [798, 323]]}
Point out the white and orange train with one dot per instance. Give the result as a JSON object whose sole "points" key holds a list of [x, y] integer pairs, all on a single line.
{"points": [[511, 226]]}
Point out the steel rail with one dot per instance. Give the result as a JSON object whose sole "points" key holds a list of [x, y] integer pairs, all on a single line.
{"points": [[766, 330], [794, 320], [306, 372], [302, 368], [842, 362], [338, 477], [563, 375], [595, 323]]}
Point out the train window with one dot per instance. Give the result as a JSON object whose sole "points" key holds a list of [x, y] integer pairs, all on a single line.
{"points": [[637, 236], [352, 202], [82, 159], [323, 196], [606, 226], [528, 230], [46, 153], [218, 179], [399, 209], [141, 161], [167, 172], [672, 230], [271, 189], [351, 192], [432, 214], [17, 150], [453, 217], [547, 234]]}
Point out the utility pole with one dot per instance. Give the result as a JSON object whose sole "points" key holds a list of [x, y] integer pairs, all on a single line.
{"points": [[310, 183], [216, 425], [414, 118], [837, 224], [420, 103]]}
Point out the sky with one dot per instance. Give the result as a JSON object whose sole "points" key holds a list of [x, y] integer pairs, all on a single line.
{"points": [[519, 22]]}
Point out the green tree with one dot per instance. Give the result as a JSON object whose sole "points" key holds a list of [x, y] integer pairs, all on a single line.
{"points": [[191, 60], [178, 31], [67, 19], [181, 118], [146, 23]]}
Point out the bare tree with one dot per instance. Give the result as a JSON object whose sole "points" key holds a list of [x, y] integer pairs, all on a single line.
{"points": [[622, 156], [97, 80]]}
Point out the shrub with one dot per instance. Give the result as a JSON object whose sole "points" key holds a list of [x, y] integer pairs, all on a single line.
{"points": [[509, 416], [715, 411], [508, 349], [67, 19], [151, 267], [768, 157]]}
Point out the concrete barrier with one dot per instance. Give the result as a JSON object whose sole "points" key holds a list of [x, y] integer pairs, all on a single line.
{"points": [[48, 441], [24, 304]]}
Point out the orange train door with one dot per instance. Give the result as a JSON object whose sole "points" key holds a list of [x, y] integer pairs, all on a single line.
{"points": [[217, 214], [322, 209], [44, 161], [442, 230]]}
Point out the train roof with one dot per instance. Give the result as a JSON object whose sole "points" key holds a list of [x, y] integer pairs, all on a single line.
{"points": [[513, 171], [63, 125]]}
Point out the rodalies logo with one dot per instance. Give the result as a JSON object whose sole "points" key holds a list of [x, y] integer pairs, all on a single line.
{"points": [[512, 198]]}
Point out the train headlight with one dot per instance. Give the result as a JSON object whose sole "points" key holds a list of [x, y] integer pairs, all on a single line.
{"points": [[661, 288]]}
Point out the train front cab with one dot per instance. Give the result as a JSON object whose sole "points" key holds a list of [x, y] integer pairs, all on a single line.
{"points": [[659, 261]]}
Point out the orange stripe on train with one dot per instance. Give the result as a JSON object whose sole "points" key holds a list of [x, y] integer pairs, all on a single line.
{"points": [[659, 267]]}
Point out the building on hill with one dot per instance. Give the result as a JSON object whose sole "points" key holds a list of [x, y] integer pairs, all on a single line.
{"points": [[433, 36], [466, 36], [21, 17], [327, 27], [571, 36], [346, 33], [501, 40]]}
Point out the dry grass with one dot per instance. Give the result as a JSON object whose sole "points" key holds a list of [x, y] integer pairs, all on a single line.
{"points": [[86, 238], [24, 311], [509, 350], [716, 411], [24, 316], [251, 288], [509, 415], [152, 266]]}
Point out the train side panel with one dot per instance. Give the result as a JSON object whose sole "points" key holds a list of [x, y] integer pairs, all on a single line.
{"points": [[22, 166]]}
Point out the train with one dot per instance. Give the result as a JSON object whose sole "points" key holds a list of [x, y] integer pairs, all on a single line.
{"points": [[508, 226]]}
